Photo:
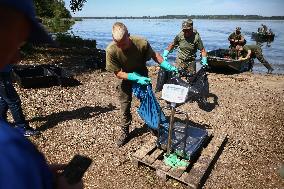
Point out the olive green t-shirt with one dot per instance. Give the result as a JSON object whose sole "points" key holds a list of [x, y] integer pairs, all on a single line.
{"points": [[187, 46], [253, 48], [235, 36], [130, 60]]}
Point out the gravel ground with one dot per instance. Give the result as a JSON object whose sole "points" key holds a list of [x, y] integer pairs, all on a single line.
{"points": [[249, 108]]}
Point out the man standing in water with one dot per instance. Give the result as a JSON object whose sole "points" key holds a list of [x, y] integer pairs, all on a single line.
{"points": [[253, 51], [236, 38], [264, 28], [187, 42], [126, 56]]}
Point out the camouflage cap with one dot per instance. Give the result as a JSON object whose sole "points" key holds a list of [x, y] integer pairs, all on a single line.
{"points": [[188, 24], [238, 28], [189, 21]]}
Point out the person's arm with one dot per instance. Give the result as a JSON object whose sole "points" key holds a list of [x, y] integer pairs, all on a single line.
{"points": [[167, 51], [247, 56], [157, 58], [200, 46], [113, 65], [203, 52], [121, 74], [133, 77], [242, 39], [163, 62], [170, 47], [204, 57], [230, 38]]}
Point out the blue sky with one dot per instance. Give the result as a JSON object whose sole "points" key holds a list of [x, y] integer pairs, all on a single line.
{"points": [[180, 7]]}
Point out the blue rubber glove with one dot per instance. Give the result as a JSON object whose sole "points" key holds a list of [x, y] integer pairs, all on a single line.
{"points": [[204, 61], [168, 67], [138, 78], [165, 54]]}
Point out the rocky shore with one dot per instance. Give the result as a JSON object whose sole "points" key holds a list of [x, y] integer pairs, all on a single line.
{"points": [[248, 108]]}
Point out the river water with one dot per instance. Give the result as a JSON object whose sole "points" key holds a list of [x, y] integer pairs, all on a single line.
{"points": [[214, 34]]}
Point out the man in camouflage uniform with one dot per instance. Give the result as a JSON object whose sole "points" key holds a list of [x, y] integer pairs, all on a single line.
{"points": [[236, 38], [187, 42], [126, 57], [253, 51], [264, 28]]}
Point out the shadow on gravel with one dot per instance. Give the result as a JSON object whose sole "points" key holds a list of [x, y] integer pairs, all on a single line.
{"points": [[209, 104], [138, 132], [212, 164], [81, 113]]}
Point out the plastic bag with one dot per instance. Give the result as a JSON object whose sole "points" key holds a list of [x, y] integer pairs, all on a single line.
{"points": [[163, 77], [197, 84], [149, 110]]}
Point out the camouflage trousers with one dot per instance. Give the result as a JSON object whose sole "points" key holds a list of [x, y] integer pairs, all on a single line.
{"points": [[188, 65], [125, 98], [258, 54]]}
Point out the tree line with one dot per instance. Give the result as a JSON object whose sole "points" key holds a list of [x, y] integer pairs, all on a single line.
{"points": [[232, 17], [57, 9]]}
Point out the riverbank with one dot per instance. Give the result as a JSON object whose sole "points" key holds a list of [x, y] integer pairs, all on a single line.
{"points": [[249, 108], [212, 17]]}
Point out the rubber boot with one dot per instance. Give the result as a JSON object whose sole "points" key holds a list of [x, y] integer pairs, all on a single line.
{"points": [[269, 68], [251, 63], [124, 136]]}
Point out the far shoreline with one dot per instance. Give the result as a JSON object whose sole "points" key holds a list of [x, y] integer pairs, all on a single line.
{"points": [[203, 17]]}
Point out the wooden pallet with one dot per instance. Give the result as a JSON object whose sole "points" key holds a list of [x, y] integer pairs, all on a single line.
{"points": [[195, 174]]}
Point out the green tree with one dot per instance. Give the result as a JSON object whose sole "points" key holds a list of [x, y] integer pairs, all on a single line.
{"points": [[51, 9], [43, 8], [59, 10], [77, 5]]}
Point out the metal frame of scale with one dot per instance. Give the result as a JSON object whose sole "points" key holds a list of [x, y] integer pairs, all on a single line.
{"points": [[185, 140]]}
